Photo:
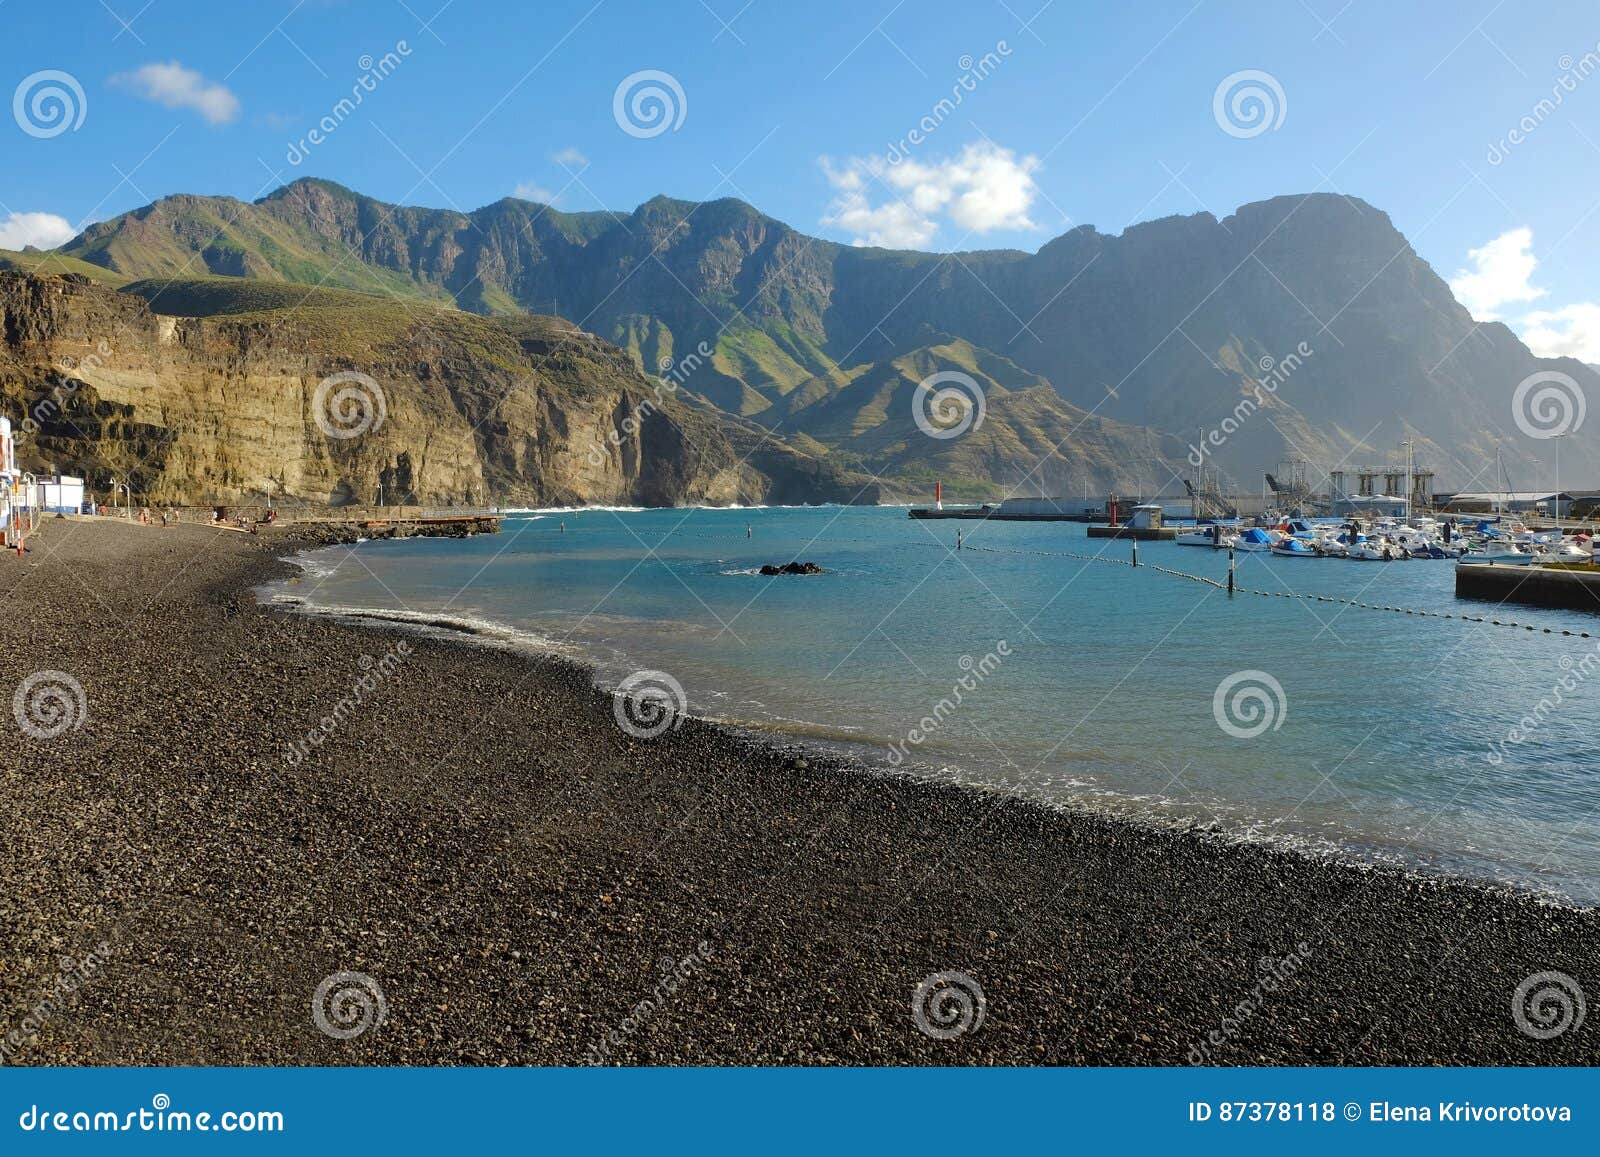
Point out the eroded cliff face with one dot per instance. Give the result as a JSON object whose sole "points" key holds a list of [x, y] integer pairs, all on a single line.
{"points": [[435, 407]]}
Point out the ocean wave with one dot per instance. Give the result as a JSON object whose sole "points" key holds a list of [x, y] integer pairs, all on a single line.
{"points": [[483, 630]]}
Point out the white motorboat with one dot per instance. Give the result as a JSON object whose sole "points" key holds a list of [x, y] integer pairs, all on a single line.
{"points": [[1501, 552], [1213, 536], [1375, 550], [1564, 551], [1256, 539], [1290, 547]]}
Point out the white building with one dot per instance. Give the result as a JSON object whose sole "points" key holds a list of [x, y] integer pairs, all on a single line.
{"points": [[62, 494]]}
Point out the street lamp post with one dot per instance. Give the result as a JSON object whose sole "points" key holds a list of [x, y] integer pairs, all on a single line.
{"points": [[1406, 446], [1557, 448], [30, 491]]}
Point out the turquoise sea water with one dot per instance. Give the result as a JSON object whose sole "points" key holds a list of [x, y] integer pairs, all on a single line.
{"points": [[1362, 732]]}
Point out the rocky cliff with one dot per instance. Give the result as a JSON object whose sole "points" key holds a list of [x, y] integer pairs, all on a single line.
{"points": [[336, 397]]}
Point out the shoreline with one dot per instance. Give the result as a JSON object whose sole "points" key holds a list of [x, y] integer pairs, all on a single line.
{"points": [[513, 869], [1349, 849]]}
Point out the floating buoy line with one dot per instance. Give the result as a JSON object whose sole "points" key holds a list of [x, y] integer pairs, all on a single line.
{"points": [[1222, 586]]}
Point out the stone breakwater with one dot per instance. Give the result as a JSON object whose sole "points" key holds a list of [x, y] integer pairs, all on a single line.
{"points": [[346, 533]]}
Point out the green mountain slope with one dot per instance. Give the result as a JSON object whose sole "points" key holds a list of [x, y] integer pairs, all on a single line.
{"points": [[1165, 325]]}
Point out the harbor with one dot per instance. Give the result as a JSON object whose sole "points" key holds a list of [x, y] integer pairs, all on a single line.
{"points": [[1524, 547]]}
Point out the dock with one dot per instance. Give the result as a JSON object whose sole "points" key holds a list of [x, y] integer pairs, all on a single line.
{"points": [[1142, 533], [969, 512], [1573, 589], [996, 514]]}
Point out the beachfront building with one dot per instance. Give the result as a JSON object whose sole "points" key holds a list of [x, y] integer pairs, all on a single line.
{"points": [[62, 494], [11, 496]]}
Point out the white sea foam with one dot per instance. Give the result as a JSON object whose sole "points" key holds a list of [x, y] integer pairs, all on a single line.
{"points": [[487, 631]]}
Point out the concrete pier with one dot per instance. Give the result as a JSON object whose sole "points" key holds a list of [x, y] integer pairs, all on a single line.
{"points": [[1575, 589], [1142, 533], [997, 514]]}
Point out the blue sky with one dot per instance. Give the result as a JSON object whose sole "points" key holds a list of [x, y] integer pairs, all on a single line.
{"points": [[1067, 116]]}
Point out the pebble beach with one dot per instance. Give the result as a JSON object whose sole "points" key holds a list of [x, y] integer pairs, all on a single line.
{"points": [[195, 854]]}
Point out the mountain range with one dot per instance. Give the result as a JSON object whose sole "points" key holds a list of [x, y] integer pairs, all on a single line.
{"points": [[1299, 326]]}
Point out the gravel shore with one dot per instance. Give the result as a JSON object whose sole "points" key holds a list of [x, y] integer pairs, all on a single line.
{"points": [[522, 882]]}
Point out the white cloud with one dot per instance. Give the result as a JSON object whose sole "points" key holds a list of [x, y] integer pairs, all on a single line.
{"points": [[528, 191], [41, 230], [1499, 275], [174, 86], [984, 189], [1502, 274], [1570, 332], [571, 158]]}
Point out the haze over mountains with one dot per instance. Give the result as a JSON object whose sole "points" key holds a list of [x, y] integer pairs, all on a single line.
{"points": [[1118, 349]]}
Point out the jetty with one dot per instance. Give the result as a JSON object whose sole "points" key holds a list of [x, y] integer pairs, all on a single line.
{"points": [[1575, 588], [1091, 510], [1015, 510], [1142, 533]]}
